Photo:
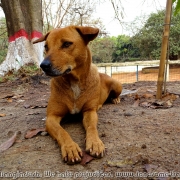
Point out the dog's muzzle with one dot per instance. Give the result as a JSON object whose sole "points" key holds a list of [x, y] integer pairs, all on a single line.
{"points": [[48, 68]]}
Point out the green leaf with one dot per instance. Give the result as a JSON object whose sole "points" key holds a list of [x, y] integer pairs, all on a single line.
{"points": [[177, 8]]}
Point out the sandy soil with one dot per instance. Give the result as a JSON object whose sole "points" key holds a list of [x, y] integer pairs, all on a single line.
{"points": [[140, 140], [174, 75]]}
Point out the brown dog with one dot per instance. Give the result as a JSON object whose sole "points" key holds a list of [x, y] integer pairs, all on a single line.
{"points": [[76, 87]]}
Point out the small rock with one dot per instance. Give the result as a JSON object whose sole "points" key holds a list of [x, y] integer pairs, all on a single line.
{"points": [[26, 106], [115, 110], [143, 146], [103, 135], [44, 133], [127, 114]]}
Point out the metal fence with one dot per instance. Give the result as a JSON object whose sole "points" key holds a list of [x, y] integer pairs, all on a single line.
{"points": [[129, 72]]}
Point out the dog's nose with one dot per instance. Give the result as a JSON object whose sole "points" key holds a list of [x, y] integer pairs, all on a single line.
{"points": [[46, 64]]}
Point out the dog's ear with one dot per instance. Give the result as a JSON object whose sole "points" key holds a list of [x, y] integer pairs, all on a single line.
{"points": [[88, 33], [43, 38]]}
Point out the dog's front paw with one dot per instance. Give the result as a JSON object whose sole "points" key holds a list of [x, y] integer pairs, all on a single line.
{"points": [[95, 147], [116, 100], [71, 153]]}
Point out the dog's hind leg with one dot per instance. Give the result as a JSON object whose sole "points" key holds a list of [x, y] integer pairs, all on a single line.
{"points": [[110, 89], [115, 92]]}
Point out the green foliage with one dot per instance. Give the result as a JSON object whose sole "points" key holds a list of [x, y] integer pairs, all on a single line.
{"points": [[174, 39], [145, 44], [149, 38], [113, 49], [124, 49], [177, 7], [3, 40], [102, 49]]}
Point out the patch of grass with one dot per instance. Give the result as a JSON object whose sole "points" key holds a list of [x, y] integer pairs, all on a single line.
{"points": [[29, 69], [25, 71], [7, 77], [1, 79]]}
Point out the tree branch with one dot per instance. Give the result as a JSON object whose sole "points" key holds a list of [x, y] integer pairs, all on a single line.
{"points": [[3, 33]]}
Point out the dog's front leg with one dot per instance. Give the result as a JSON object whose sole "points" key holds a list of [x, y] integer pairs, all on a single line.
{"points": [[94, 145], [71, 152]]}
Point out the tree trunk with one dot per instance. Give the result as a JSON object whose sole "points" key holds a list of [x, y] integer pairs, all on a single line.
{"points": [[24, 25]]}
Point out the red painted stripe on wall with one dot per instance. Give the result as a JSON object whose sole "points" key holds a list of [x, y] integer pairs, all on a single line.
{"points": [[23, 33]]}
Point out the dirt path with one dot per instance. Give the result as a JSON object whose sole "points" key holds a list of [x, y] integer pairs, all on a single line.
{"points": [[139, 140], [174, 75]]}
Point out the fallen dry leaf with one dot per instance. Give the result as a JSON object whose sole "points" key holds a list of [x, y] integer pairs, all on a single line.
{"points": [[136, 103], [150, 167], [121, 163], [6, 95], [40, 106], [17, 96], [147, 96], [145, 104], [168, 96], [86, 158], [137, 96], [6, 145], [158, 103], [33, 132], [9, 100], [168, 103], [20, 100], [32, 113], [2, 115]]}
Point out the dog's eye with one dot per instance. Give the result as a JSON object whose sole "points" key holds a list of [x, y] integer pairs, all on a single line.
{"points": [[46, 47], [66, 44]]}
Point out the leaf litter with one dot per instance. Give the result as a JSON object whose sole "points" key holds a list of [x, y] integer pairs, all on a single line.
{"points": [[86, 158], [7, 144], [33, 132], [148, 100], [2, 115]]}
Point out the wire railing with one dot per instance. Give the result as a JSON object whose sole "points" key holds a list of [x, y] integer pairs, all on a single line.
{"points": [[129, 72]]}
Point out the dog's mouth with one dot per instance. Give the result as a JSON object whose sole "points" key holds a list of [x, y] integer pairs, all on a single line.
{"points": [[53, 72]]}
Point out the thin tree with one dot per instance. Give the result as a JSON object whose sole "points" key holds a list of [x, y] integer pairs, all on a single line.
{"points": [[67, 12], [164, 47]]}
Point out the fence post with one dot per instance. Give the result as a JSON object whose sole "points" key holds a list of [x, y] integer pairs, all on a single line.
{"points": [[167, 71], [137, 74], [166, 75], [108, 70]]}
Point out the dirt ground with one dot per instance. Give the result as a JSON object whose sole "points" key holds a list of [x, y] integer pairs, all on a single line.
{"points": [[142, 141], [174, 75], [132, 77]]}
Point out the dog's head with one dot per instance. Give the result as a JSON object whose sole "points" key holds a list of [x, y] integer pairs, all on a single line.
{"points": [[66, 49]]}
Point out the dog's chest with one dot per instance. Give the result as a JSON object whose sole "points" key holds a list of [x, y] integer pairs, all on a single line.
{"points": [[76, 93], [76, 90]]}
